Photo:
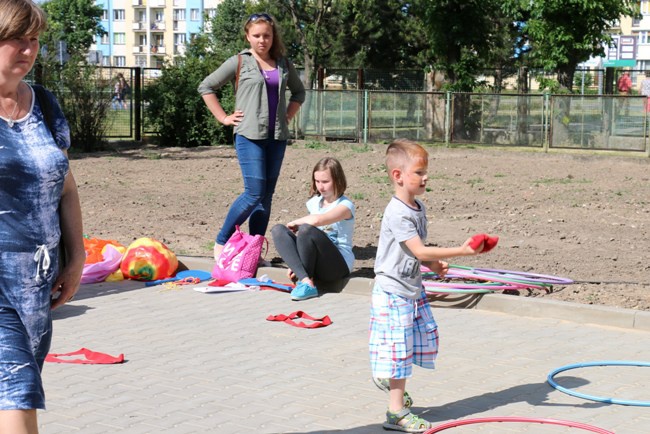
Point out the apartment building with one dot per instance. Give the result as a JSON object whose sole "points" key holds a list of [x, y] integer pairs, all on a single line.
{"points": [[147, 33]]}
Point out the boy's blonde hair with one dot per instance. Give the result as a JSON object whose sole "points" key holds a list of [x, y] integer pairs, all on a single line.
{"points": [[402, 152]]}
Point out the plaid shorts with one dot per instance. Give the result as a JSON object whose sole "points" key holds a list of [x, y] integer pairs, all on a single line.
{"points": [[402, 332]]}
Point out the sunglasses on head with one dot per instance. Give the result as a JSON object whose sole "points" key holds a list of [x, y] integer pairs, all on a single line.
{"points": [[255, 17]]}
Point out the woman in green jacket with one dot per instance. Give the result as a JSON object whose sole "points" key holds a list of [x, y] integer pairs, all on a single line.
{"points": [[260, 120]]}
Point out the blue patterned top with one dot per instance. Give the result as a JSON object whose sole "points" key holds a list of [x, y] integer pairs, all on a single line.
{"points": [[32, 171]]}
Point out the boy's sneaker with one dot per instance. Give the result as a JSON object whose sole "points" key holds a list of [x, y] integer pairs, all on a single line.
{"points": [[303, 291], [384, 384]]}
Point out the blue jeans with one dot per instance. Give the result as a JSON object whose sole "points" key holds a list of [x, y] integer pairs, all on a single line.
{"points": [[260, 162]]}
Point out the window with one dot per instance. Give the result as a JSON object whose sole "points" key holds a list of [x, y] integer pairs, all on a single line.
{"points": [[119, 15], [105, 39], [645, 7], [120, 61], [179, 14], [105, 15], [141, 61], [211, 13], [643, 38], [194, 14], [106, 61], [160, 17], [119, 38], [180, 38]]}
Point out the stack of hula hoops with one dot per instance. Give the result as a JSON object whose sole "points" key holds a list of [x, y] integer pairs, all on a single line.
{"points": [[471, 280]]}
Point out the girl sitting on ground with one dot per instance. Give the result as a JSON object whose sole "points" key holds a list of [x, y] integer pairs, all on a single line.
{"points": [[318, 246]]}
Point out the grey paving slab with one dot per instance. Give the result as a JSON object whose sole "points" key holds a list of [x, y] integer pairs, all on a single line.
{"points": [[211, 363]]}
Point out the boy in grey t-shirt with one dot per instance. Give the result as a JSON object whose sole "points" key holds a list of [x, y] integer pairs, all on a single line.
{"points": [[402, 329]]}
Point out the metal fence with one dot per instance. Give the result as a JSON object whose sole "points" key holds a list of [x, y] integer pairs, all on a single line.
{"points": [[595, 122], [544, 121]]}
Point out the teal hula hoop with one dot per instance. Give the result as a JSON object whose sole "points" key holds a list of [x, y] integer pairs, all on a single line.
{"points": [[553, 384]]}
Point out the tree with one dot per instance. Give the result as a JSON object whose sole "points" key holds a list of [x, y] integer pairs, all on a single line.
{"points": [[564, 33], [381, 34], [225, 35], [85, 98], [308, 28], [461, 33], [173, 100], [75, 22]]}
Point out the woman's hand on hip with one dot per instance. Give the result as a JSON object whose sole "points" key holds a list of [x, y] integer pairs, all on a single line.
{"points": [[233, 119]]}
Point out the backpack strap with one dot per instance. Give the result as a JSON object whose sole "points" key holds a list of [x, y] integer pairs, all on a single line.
{"points": [[239, 60], [46, 106]]}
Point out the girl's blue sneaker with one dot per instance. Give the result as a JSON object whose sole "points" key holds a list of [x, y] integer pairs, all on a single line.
{"points": [[303, 291]]}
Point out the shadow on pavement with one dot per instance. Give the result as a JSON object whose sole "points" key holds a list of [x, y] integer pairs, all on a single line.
{"points": [[535, 394]]}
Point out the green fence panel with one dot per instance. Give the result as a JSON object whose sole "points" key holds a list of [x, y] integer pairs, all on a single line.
{"points": [[598, 122], [330, 114], [497, 119]]}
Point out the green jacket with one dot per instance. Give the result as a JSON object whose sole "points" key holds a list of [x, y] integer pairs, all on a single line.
{"points": [[251, 94]]}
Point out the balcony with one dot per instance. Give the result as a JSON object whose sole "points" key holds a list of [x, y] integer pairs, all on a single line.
{"points": [[157, 3], [158, 26], [138, 3], [139, 26], [158, 49], [139, 49]]}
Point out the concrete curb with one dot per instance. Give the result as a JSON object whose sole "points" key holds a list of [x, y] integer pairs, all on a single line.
{"points": [[508, 304]]}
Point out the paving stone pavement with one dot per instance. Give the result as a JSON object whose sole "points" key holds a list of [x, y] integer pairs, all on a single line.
{"points": [[212, 363]]}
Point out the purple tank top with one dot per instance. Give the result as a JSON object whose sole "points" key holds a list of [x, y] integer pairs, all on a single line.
{"points": [[272, 79]]}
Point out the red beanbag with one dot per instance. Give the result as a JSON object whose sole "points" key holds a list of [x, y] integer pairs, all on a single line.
{"points": [[489, 242]]}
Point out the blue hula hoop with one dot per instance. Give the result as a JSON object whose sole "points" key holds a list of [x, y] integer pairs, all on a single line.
{"points": [[553, 384]]}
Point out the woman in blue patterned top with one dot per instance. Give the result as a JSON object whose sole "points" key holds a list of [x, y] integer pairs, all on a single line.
{"points": [[318, 246], [39, 207]]}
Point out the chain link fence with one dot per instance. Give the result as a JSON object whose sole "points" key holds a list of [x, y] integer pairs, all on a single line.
{"points": [[378, 106], [593, 122]]}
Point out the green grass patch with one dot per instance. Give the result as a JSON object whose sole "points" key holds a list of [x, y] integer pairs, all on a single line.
{"points": [[560, 181], [315, 145]]}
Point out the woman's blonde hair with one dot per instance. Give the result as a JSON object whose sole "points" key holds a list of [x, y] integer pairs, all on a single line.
{"points": [[277, 46], [338, 176], [20, 18]]}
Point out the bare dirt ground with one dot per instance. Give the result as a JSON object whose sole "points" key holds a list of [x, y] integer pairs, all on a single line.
{"points": [[585, 217]]}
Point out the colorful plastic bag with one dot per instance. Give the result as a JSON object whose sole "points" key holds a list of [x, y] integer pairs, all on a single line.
{"points": [[103, 258], [239, 257], [99, 271], [148, 259]]}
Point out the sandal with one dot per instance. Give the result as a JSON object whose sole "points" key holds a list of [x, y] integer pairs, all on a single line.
{"points": [[384, 384], [406, 421]]}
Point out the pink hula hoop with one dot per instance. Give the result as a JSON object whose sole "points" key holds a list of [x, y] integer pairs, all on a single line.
{"points": [[484, 277], [568, 423]]}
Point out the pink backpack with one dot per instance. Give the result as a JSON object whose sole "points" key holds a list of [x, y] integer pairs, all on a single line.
{"points": [[239, 257]]}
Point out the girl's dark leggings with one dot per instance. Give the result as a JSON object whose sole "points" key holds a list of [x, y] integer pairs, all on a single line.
{"points": [[309, 253]]}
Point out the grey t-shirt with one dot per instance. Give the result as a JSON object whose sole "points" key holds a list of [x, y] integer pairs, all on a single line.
{"points": [[397, 270]]}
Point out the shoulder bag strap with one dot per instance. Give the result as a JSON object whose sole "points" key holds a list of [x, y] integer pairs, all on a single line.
{"points": [[239, 60]]}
